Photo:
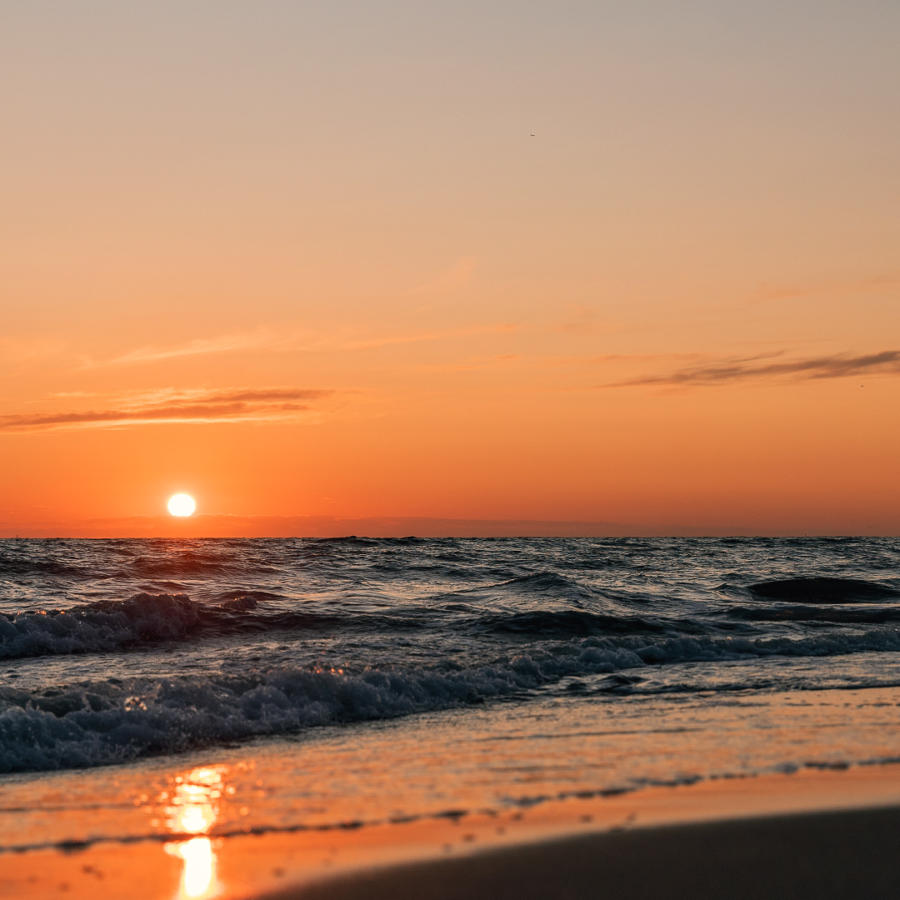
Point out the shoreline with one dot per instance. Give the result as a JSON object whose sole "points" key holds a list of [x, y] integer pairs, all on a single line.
{"points": [[854, 815]]}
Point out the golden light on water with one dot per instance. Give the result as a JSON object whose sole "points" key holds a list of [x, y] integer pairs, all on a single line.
{"points": [[198, 877], [194, 810], [181, 505]]}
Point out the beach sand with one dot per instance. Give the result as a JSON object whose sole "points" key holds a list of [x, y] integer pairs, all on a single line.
{"points": [[815, 833], [820, 855]]}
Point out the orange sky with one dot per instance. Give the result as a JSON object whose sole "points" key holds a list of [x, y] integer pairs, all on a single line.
{"points": [[358, 268]]}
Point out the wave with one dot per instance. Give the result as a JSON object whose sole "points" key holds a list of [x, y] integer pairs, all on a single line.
{"points": [[125, 624], [104, 625], [185, 563], [576, 612], [238, 598], [147, 619], [823, 590], [543, 582], [573, 622], [838, 615], [352, 540], [110, 721], [543, 586], [24, 565]]}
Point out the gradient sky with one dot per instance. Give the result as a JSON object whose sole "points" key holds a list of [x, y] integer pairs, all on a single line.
{"points": [[352, 266]]}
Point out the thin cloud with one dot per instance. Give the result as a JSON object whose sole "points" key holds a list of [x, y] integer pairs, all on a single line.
{"points": [[289, 341], [224, 343], [173, 407], [841, 366], [797, 291]]}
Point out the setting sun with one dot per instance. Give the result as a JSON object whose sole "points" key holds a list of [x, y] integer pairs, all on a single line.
{"points": [[181, 505]]}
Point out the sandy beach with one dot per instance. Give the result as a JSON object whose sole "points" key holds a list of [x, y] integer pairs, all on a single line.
{"points": [[822, 855], [816, 834]]}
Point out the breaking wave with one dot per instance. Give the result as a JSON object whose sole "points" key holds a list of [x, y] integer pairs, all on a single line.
{"points": [[117, 720], [145, 618]]}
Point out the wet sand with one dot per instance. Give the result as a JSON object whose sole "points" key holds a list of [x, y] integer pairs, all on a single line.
{"points": [[815, 833]]}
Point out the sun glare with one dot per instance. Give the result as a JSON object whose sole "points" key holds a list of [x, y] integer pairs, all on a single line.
{"points": [[181, 505]]}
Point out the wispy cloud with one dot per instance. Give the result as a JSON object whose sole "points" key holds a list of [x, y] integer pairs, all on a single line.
{"points": [[291, 340], [197, 406], [223, 343], [847, 287], [723, 372]]}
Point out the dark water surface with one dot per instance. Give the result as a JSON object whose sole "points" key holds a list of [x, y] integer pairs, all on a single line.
{"points": [[116, 650]]}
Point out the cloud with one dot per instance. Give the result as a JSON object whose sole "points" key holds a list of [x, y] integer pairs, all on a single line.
{"points": [[290, 340], [223, 343], [873, 284], [196, 406], [840, 366]]}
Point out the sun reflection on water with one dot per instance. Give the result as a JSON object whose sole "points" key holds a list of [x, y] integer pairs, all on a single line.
{"points": [[193, 809]]}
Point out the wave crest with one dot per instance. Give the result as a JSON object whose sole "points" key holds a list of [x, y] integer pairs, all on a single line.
{"points": [[104, 625], [112, 721]]}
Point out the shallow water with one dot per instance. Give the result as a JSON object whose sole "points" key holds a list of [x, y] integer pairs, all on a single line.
{"points": [[335, 683]]}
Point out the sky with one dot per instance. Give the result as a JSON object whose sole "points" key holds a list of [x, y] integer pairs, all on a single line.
{"points": [[469, 268]]}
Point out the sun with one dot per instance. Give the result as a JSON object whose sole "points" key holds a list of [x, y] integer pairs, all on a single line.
{"points": [[181, 505]]}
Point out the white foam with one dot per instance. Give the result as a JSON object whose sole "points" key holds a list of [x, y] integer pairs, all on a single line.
{"points": [[102, 722]]}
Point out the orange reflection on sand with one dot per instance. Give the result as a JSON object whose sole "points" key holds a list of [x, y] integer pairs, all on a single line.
{"points": [[193, 810]]}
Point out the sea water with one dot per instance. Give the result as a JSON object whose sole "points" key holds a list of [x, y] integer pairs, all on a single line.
{"points": [[294, 684]]}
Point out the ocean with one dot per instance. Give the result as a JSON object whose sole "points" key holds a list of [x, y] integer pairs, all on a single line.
{"points": [[158, 689]]}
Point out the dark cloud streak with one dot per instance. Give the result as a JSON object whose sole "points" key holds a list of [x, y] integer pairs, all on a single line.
{"points": [[885, 362], [190, 406]]}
